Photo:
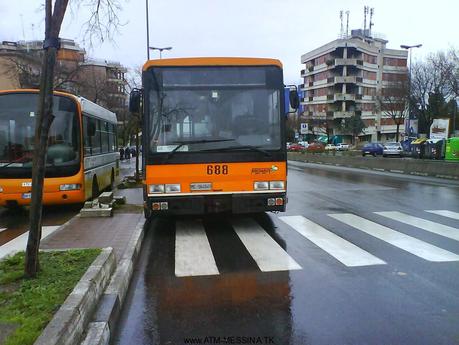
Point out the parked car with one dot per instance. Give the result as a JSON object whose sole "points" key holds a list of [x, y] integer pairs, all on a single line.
{"points": [[316, 147], [330, 147], [392, 149], [342, 147], [373, 149], [296, 147], [305, 144]]}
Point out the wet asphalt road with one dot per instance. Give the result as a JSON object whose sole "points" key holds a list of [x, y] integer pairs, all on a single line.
{"points": [[394, 282], [15, 222]]}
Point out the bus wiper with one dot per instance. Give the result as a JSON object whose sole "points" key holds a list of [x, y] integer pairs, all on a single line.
{"points": [[242, 147], [21, 161], [201, 141]]}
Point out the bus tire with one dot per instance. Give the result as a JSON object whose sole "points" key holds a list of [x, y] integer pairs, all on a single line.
{"points": [[147, 212], [95, 188], [111, 187]]}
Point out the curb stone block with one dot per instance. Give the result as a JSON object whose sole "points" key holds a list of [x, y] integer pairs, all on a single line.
{"points": [[67, 325], [98, 334], [111, 302], [106, 197]]}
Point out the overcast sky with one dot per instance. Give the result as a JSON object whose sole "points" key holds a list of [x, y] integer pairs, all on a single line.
{"points": [[282, 29]]}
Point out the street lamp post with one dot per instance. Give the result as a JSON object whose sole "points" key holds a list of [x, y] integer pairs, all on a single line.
{"points": [[148, 30], [160, 50], [404, 46]]}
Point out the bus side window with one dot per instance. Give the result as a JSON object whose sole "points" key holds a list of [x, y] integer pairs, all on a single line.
{"points": [[111, 138], [104, 136], [96, 140], [86, 137]]}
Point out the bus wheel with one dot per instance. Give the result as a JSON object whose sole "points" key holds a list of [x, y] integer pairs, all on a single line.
{"points": [[147, 212], [111, 187], [95, 188]]}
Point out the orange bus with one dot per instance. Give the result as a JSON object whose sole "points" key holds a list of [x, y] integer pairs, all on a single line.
{"points": [[82, 157], [213, 135]]}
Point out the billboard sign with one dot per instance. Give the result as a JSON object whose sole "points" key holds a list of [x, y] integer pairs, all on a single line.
{"points": [[439, 129]]}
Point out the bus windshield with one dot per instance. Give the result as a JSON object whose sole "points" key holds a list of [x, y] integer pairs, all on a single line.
{"points": [[17, 132], [207, 108]]}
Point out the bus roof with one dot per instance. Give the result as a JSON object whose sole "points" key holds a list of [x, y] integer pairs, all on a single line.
{"points": [[96, 110], [86, 105], [212, 61]]}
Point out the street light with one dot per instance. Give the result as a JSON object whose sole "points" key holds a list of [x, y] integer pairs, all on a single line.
{"points": [[160, 50], [404, 46]]}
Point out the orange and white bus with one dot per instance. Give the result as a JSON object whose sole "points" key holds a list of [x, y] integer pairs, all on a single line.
{"points": [[82, 157], [213, 135]]}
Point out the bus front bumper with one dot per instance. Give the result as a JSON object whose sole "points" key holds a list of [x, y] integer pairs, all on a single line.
{"points": [[206, 204], [49, 198]]}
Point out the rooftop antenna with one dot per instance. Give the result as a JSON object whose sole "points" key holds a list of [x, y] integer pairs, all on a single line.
{"points": [[365, 12], [33, 31], [22, 26], [372, 11], [341, 19], [347, 23]]}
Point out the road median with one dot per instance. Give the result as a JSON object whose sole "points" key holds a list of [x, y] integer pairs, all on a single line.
{"points": [[419, 167]]}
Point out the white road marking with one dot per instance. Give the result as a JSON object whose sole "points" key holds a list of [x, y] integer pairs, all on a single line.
{"points": [[436, 228], [193, 255], [2, 229], [266, 252], [19, 243], [345, 252], [410, 244], [445, 213]]}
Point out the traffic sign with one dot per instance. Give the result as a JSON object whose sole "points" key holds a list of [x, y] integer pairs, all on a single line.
{"points": [[304, 128]]}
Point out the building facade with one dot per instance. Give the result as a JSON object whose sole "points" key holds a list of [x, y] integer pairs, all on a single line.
{"points": [[343, 83]]}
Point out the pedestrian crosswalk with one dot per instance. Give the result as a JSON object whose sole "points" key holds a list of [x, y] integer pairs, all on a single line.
{"points": [[266, 252], [410, 244], [194, 254], [346, 252]]}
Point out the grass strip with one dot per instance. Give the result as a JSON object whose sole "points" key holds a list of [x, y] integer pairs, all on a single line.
{"points": [[29, 304]]}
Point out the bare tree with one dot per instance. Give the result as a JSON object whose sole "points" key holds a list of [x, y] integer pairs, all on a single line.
{"points": [[26, 69], [54, 15], [394, 102]]}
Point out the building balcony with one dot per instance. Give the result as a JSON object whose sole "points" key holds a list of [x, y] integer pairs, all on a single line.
{"points": [[341, 97], [343, 114], [346, 79], [347, 62]]}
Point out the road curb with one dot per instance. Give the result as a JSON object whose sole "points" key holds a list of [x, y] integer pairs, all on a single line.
{"points": [[68, 324], [100, 329]]}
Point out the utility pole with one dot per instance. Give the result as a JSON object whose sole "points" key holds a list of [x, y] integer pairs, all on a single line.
{"points": [[148, 30]]}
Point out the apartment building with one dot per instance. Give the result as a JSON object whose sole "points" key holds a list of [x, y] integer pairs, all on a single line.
{"points": [[101, 81], [343, 78]]}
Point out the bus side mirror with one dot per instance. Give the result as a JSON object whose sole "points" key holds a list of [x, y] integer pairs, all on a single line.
{"points": [[294, 99], [134, 100]]}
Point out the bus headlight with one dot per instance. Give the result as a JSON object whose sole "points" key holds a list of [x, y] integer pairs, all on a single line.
{"points": [[1, 189], [261, 185], [72, 186], [173, 188], [276, 185], [155, 188]]}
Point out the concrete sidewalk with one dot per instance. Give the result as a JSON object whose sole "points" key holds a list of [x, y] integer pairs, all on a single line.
{"points": [[101, 232]]}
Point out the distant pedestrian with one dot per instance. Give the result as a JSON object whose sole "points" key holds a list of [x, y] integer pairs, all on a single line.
{"points": [[121, 153], [127, 153]]}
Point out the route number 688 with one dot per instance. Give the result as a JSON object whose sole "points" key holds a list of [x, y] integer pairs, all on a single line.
{"points": [[217, 169]]}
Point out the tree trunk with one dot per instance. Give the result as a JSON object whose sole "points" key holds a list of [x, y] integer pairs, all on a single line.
{"points": [[43, 123]]}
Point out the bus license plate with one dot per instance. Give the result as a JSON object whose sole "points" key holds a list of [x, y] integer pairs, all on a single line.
{"points": [[26, 195]]}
